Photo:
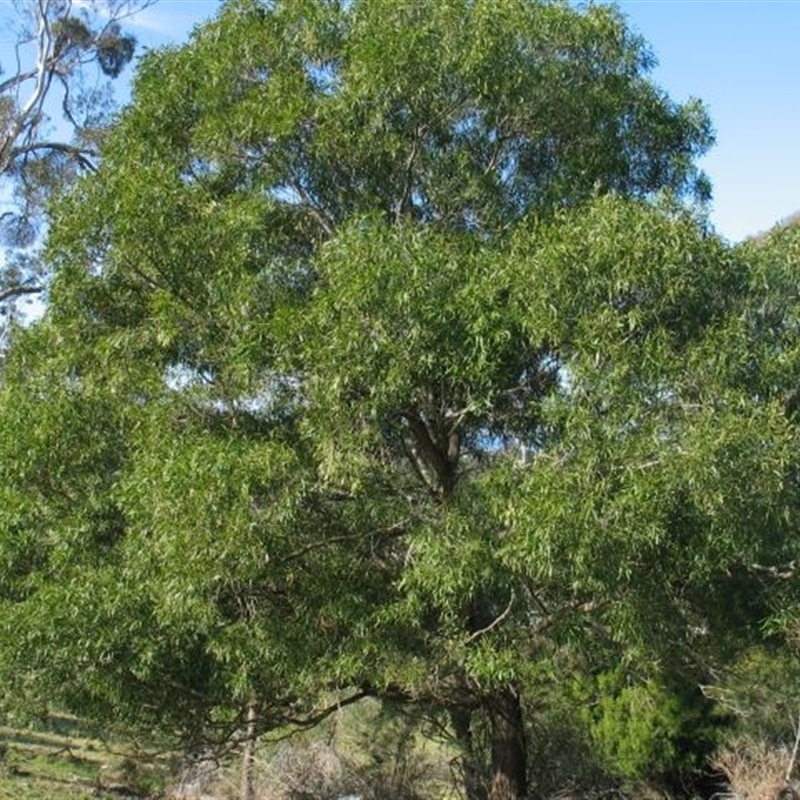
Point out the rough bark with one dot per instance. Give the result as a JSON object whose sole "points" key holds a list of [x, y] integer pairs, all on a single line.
{"points": [[508, 766]]}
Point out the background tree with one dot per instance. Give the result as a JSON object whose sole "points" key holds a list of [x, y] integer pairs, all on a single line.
{"points": [[373, 367], [53, 114]]}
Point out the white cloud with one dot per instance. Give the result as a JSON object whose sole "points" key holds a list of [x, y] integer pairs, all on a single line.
{"points": [[172, 19]]}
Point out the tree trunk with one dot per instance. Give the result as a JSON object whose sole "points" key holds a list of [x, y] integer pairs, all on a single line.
{"points": [[248, 754], [508, 768], [474, 783]]}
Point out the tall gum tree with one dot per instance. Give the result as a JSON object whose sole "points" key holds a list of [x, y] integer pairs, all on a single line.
{"points": [[53, 113], [372, 368]]}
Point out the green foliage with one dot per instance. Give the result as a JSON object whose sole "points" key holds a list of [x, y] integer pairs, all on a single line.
{"points": [[374, 367], [759, 691], [647, 729]]}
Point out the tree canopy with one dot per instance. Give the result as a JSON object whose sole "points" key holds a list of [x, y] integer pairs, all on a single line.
{"points": [[385, 357]]}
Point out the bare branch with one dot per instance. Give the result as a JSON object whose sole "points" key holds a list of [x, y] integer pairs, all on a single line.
{"points": [[17, 80], [398, 529], [418, 465], [782, 571], [131, 9], [403, 204], [18, 291], [494, 623], [313, 207], [315, 717], [80, 154], [432, 455], [790, 768]]}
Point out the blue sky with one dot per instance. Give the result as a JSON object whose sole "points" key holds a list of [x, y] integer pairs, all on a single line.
{"points": [[743, 60], [741, 57]]}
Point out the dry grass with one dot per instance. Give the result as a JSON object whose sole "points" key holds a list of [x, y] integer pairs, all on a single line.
{"points": [[316, 770], [360, 752], [756, 771]]}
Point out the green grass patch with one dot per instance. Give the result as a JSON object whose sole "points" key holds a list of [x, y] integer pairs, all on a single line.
{"points": [[62, 760]]}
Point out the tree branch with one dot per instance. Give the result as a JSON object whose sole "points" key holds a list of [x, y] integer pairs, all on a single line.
{"points": [[313, 207], [494, 623], [790, 768], [315, 717], [398, 529], [418, 466], [81, 155], [437, 461], [43, 75], [19, 291], [782, 571], [17, 80], [403, 205]]}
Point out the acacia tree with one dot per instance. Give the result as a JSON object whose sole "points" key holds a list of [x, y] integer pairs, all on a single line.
{"points": [[53, 114], [373, 368]]}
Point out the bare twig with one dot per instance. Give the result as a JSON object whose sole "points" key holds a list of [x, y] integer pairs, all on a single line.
{"points": [[80, 154], [790, 768], [313, 207], [315, 717], [19, 291], [784, 571], [398, 529], [494, 623], [582, 607]]}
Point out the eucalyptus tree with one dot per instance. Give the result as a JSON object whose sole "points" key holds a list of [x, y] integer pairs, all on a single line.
{"points": [[53, 113], [373, 367]]}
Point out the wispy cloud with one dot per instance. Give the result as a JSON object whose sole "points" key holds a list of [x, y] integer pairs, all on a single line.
{"points": [[167, 20], [172, 19]]}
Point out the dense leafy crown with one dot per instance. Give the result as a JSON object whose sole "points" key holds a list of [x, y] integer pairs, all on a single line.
{"points": [[372, 365]]}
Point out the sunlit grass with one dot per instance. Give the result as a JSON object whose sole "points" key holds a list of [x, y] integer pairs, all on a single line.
{"points": [[63, 761]]}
